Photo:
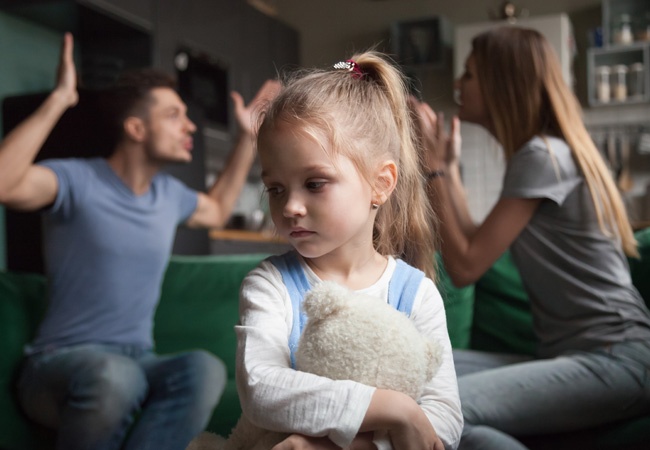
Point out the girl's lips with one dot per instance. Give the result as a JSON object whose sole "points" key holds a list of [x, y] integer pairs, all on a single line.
{"points": [[300, 233], [189, 144]]}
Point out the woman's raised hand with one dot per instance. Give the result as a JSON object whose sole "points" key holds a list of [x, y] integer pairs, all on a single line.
{"points": [[441, 149]]}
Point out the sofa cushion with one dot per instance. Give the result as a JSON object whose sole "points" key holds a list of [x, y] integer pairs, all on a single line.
{"points": [[22, 303], [199, 307], [459, 307]]}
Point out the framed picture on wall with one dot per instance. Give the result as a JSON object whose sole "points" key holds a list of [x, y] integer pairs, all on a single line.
{"points": [[421, 43]]}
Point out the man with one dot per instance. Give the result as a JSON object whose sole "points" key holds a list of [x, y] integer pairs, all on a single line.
{"points": [[109, 225]]}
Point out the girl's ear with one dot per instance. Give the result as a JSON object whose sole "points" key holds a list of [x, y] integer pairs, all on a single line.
{"points": [[385, 181], [134, 128]]}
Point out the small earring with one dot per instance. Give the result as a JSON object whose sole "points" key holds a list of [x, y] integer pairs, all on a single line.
{"points": [[374, 206]]}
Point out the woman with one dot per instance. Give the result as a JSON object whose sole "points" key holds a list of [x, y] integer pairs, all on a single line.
{"points": [[565, 224]]}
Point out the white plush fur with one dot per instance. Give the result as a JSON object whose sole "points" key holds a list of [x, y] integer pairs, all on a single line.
{"points": [[350, 336]]}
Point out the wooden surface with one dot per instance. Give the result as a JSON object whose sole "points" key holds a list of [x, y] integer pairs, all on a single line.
{"points": [[245, 235]]}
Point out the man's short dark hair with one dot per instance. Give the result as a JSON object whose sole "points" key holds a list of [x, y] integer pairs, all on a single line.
{"points": [[130, 95]]}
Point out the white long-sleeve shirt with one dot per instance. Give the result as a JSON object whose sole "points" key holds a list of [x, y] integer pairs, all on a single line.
{"points": [[276, 397]]}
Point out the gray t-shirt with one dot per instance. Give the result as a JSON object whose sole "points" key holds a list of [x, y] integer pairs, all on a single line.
{"points": [[106, 250], [578, 279]]}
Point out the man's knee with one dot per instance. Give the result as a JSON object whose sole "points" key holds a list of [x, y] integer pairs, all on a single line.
{"points": [[109, 385], [210, 374]]}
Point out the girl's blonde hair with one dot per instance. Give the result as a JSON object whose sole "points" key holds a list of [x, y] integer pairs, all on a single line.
{"points": [[364, 115], [529, 97]]}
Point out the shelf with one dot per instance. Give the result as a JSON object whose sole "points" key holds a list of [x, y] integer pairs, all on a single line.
{"points": [[614, 53], [611, 56]]}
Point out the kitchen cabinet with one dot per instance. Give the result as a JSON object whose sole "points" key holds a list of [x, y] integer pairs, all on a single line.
{"points": [[619, 71]]}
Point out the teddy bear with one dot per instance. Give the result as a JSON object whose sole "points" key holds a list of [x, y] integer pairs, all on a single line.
{"points": [[348, 336]]}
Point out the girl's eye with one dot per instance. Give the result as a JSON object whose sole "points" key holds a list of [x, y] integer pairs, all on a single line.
{"points": [[274, 190], [315, 185]]}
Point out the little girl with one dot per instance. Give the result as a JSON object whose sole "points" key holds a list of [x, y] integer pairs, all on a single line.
{"points": [[342, 173]]}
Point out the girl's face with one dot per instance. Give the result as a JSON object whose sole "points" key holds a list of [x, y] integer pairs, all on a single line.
{"points": [[319, 204], [471, 107]]}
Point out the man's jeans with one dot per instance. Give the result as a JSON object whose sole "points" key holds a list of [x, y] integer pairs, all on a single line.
{"points": [[506, 395], [91, 394]]}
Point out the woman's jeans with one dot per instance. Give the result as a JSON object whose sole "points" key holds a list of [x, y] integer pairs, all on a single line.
{"points": [[92, 394], [511, 395]]}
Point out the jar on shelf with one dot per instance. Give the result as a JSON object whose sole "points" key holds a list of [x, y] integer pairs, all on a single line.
{"points": [[635, 80], [619, 82], [623, 30], [603, 89], [642, 32]]}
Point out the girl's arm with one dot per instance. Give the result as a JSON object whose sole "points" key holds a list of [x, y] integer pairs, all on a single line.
{"points": [[440, 401], [467, 256], [273, 395]]}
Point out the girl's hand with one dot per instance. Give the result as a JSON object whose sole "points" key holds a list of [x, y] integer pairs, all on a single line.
{"points": [[405, 422], [302, 442], [66, 79], [441, 150], [363, 441], [416, 433]]}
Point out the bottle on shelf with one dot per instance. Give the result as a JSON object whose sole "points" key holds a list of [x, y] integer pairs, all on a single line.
{"points": [[636, 84], [642, 33], [623, 30], [603, 89], [620, 82]]}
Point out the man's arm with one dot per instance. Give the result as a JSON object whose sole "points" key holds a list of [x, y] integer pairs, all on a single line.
{"points": [[24, 185], [214, 207]]}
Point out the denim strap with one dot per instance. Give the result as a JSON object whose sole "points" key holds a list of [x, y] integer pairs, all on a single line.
{"points": [[297, 285], [402, 288]]}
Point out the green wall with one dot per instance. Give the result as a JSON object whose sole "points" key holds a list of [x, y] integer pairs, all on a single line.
{"points": [[29, 58]]}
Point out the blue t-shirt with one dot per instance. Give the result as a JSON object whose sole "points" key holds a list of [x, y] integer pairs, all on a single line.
{"points": [[106, 250]]}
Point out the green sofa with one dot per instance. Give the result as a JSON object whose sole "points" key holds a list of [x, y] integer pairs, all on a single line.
{"points": [[199, 306]]}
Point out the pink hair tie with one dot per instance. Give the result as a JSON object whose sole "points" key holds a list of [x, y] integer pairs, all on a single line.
{"points": [[350, 66]]}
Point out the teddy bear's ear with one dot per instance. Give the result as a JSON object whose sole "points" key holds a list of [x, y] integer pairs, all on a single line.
{"points": [[325, 299]]}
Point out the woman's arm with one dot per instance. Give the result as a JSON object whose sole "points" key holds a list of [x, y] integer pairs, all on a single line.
{"points": [[467, 256]]}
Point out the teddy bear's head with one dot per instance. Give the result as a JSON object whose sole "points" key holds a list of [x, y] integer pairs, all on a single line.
{"points": [[356, 337]]}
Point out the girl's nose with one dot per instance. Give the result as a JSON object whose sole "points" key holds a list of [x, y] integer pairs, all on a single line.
{"points": [[294, 206]]}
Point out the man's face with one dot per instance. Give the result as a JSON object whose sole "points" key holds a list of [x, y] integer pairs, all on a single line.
{"points": [[168, 129]]}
